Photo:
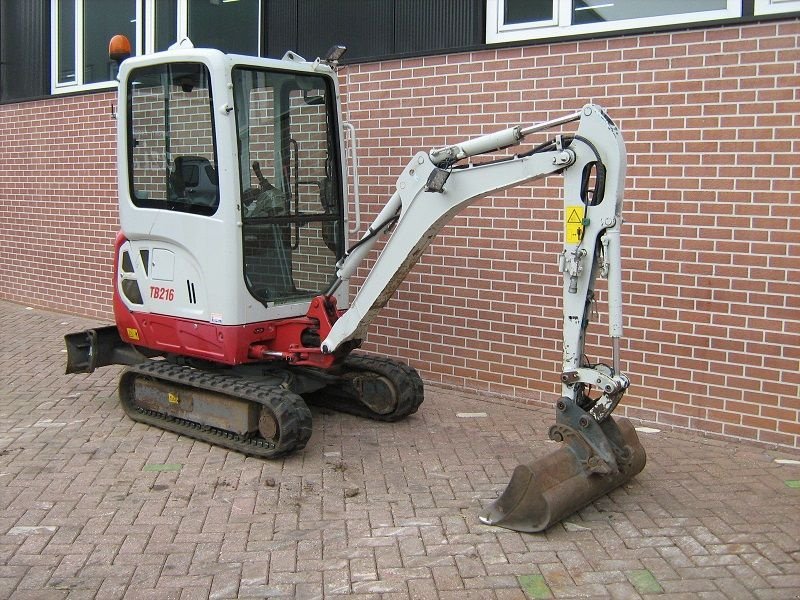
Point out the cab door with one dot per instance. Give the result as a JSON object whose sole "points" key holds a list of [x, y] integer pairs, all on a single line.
{"points": [[291, 189]]}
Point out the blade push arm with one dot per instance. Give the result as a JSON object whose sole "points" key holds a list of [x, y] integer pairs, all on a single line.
{"points": [[431, 191]]}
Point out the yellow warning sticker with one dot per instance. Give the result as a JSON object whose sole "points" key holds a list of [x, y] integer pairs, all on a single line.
{"points": [[173, 398], [573, 224], [133, 334]]}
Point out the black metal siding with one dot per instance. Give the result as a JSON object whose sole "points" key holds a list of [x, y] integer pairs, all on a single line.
{"points": [[372, 28], [438, 25], [279, 29], [24, 49], [364, 26]]}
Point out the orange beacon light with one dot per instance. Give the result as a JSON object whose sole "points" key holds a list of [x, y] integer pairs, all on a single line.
{"points": [[119, 48]]}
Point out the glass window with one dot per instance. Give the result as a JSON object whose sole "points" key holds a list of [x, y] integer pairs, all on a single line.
{"points": [[597, 11], [291, 196], [765, 7], [81, 30], [517, 20], [228, 26], [102, 20], [80, 36], [166, 24], [65, 54], [171, 151], [528, 11]]}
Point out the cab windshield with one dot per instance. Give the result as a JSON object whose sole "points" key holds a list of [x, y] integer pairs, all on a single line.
{"points": [[289, 169]]}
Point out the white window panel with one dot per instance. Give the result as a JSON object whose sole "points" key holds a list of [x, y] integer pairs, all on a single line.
{"points": [[80, 32], [771, 7], [81, 29], [503, 22], [63, 23], [164, 24]]}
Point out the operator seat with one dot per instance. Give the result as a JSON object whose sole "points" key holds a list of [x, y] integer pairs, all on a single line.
{"points": [[195, 179]]}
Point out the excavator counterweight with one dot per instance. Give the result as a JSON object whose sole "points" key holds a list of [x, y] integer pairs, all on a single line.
{"points": [[231, 301]]}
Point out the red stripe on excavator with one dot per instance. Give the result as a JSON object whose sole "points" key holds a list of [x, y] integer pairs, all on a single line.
{"points": [[226, 344]]}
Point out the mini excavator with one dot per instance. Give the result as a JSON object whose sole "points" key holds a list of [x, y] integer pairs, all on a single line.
{"points": [[230, 313]]}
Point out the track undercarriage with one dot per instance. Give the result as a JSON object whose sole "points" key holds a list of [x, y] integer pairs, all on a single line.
{"points": [[264, 413]]}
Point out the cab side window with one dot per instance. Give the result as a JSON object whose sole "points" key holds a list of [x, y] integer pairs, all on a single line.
{"points": [[171, 139]]}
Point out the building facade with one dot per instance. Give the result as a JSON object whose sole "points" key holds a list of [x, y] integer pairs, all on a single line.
{"points": [[706, 93]]}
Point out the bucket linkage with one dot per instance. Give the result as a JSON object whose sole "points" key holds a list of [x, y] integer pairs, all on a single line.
{"points": [[595, 457]]}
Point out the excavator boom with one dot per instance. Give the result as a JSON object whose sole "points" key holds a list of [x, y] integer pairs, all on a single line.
{"points": [[432, 189]]}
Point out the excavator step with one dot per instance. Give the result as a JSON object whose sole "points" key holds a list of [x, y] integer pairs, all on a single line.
{"points": [[266, 421], [374, 387]]}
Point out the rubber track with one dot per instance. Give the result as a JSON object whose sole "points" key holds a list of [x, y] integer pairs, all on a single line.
{"points": [[343, 397], [291, 412]]}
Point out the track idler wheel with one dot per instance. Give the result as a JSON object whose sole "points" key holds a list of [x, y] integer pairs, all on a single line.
{"points": [[375, 387], [595, 458]]}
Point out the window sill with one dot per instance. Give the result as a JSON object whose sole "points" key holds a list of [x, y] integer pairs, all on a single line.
{"points": [[63, 89]]}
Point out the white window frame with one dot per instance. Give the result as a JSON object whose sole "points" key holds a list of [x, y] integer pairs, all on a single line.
{"points": [[499, 32], [144, 8], [150, 19], [72, 86], [773, 7]]}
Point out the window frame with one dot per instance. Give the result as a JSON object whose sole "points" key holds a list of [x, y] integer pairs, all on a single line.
{"points": [[165, 205], [149, 13], [775, 7], [498, 32], [143, 44], [292, 218], [57, 87]]}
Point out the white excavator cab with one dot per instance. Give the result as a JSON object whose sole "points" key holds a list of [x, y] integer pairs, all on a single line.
{"points": [[231, 193]]}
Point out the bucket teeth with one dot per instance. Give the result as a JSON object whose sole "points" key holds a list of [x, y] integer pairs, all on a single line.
{"points": [[543, 492]]}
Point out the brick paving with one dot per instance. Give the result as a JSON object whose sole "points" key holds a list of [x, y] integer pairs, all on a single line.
{"points": [[93, 505]]}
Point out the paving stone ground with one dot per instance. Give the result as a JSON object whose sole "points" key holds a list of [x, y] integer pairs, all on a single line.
{"points": [[93, 505]]}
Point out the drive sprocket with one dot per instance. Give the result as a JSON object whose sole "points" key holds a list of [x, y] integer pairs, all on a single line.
{"points": [[375, 387]]}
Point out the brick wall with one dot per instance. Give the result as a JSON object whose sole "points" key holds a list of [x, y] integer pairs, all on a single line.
{"points": [[712, 241], [712, 252], [58, 210]]}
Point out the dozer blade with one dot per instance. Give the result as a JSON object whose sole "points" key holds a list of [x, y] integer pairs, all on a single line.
{"points": [[95, 348], [543, 492]]}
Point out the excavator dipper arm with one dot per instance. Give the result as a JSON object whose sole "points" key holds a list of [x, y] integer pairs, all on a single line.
{"points": [[598, 454]]}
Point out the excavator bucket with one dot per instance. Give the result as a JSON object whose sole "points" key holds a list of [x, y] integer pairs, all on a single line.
{"points": [[594, 459]]}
